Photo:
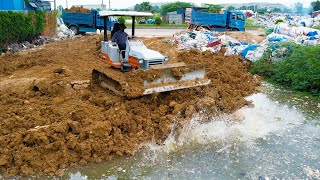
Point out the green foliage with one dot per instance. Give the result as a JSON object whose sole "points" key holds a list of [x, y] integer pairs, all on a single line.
{"points": [[278, 21], [249, 24], [316, 5], [213, 8], [156, 9], [20, 26], [261, 11], [276, 10], [158, 20], [263, 67], [121, 20], [143, 7], [300, 70], [231, 8], [170, 7]]}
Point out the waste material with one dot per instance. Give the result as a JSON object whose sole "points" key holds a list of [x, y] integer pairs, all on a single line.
{"points": [[205, 40], [62, 30]]}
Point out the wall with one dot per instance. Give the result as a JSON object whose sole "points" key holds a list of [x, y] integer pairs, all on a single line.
{"points": [[14, 5]]}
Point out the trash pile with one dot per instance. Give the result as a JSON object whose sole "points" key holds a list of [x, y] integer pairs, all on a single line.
{"points": [[37, 41], [205, 40], [269, 20], [62, 30]]}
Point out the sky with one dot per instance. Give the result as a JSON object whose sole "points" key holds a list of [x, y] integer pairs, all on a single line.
{"points": [[120, 4]]}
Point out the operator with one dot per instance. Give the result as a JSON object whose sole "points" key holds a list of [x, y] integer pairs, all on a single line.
{"points": [[115, 29], [120, 37]]}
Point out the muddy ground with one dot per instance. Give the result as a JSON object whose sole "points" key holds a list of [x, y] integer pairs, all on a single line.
{"points": [[51, 118]]}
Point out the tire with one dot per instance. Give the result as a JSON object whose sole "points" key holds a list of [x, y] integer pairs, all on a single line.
{"points": [[75, 29]]}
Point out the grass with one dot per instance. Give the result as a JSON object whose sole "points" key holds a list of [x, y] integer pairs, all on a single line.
{"points": [[249, 24], [317, 27], [300, 70]]}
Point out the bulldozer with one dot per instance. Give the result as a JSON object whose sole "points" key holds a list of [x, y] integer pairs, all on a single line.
{"points": [[141, 71]]}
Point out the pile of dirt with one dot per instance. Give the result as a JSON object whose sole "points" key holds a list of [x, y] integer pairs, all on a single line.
{"points": [[246, 37], [51, 118], [78, 9]]}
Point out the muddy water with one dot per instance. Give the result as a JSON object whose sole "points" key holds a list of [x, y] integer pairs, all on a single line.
{"points": [[279, 137]]}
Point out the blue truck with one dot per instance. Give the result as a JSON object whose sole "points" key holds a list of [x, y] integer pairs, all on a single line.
{"points": [[85, 22], [227, 21]]}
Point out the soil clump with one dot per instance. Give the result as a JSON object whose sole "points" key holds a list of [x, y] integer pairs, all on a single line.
{"points": [[51, 118]]}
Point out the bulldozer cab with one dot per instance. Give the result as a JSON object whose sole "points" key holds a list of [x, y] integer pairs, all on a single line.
{"points": [[105, 14], [145, 70]]}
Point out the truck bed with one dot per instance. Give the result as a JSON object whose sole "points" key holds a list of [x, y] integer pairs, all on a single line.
{"points": [[201, 18], [78, 18]]}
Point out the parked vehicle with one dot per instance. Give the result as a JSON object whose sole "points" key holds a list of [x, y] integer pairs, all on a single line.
{"points": [[228, 20], [86, 22]]}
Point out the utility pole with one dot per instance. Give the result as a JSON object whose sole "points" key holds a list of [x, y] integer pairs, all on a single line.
{"points": [[109, 5], [55, 5], [67, 4]]}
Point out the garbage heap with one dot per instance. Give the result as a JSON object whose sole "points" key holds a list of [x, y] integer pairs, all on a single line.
{"points": [[63, 31], [205, 40]]}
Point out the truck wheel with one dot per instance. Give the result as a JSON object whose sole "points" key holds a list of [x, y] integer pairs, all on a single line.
{"points": [[75, 29]]}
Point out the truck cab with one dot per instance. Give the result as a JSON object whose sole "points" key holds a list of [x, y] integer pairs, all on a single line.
{"points": [[236, 20]]}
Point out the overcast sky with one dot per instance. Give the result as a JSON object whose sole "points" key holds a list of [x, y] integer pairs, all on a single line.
{"points": [[129, 3]]}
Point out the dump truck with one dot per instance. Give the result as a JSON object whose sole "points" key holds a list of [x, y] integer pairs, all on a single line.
{"points": [[226, 21], [141, 71], [81, 22]]}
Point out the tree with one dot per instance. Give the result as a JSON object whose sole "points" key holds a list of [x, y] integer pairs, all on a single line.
{"points": [[276, 10], [213, 8], [298, 7], [60, 8], [156, 9], [143, 7], [316, 5], [231, 8], [158, 20], [121, 20], [170, 7], [286, 10], [262, 11]]}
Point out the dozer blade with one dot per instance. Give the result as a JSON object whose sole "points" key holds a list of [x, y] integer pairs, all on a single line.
{"points": [[158, 79], [169, 83]]}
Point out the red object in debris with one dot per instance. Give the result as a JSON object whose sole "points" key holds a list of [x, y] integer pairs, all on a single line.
{"points": [[248, 14], [214, 43]]}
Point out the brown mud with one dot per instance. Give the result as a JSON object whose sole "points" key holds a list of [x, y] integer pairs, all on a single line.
{"points": [[51, 118], [78, 9]]}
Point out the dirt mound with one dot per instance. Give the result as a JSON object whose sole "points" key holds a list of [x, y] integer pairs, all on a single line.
{"points": [[78, 9], [56, 119], [245, 36]]}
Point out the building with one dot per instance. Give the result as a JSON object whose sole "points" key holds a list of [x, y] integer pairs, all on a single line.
{"points": [[315, 14], [24, 5]]}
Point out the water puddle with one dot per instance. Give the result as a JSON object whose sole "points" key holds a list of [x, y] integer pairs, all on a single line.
{"points": [[278, 137]]}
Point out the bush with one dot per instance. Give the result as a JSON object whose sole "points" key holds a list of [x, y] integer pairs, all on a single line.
{"points": [[300, 70], [278, 21], [19, 26], [158, 20], [121, 20]]}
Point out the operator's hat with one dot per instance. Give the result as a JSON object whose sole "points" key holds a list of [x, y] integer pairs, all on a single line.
{"points": [[122, 25]]}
